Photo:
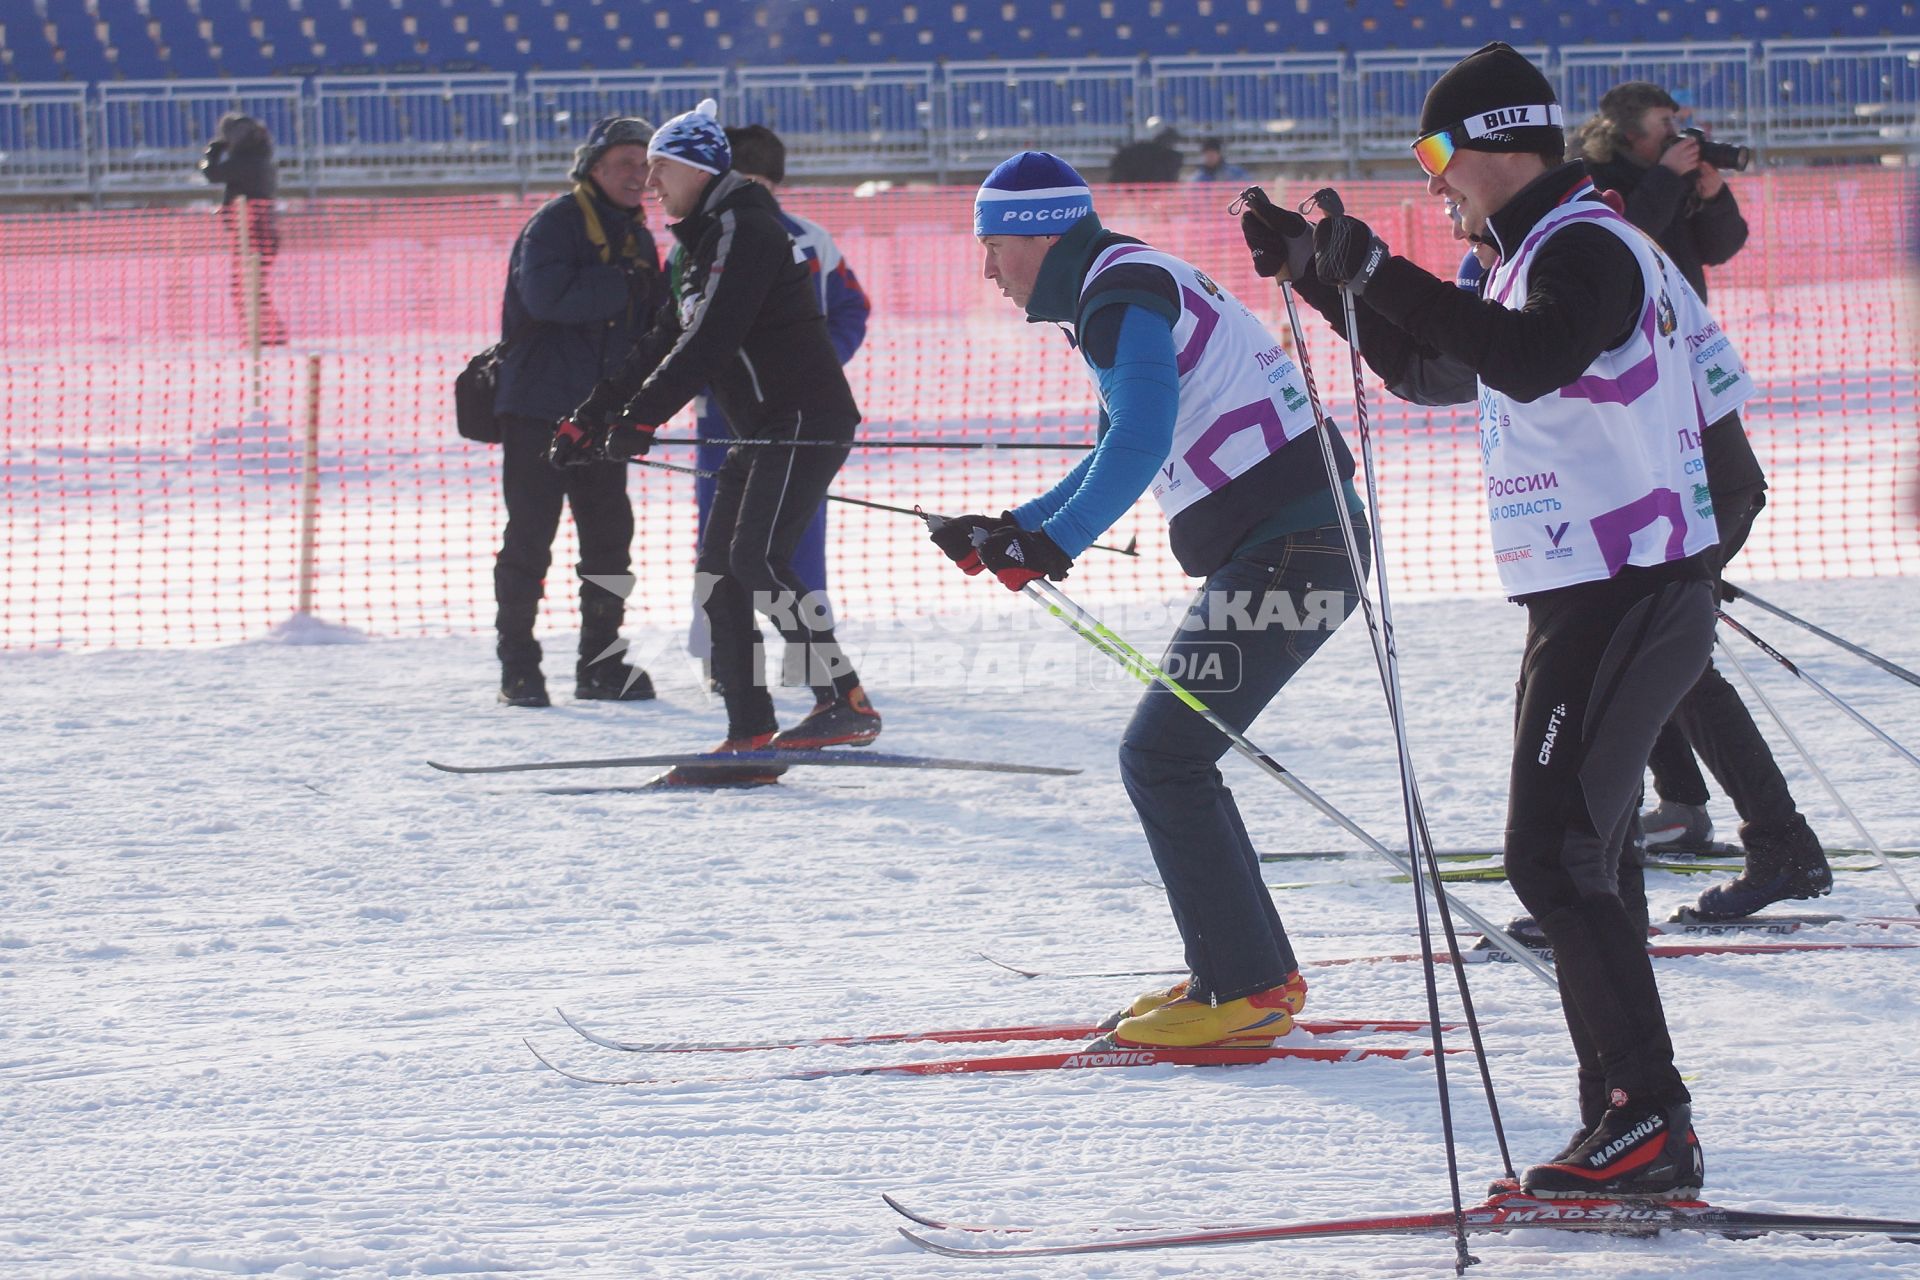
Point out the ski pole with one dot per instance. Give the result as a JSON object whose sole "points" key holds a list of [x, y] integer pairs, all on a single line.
{"points": [[1381, 639], [883, 442], [1823, 691], [1800, 747], [1419, 837], [1893, 668], [1095, 632], [1131, 549]]}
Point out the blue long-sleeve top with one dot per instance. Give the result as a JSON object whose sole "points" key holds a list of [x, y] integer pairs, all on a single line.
{"points": [[1140, 392]]}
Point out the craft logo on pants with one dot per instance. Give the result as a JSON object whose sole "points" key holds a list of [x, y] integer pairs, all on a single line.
{"points": [[1553, 732]]}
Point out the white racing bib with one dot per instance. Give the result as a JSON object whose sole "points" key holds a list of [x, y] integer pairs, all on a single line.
{"points": [[1242, 396], [1607, 471]]}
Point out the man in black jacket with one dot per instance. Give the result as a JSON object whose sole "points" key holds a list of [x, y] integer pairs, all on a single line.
{"points": [[240, 157], [1634, 146], [1588, 417], [746, 324], [584, 282]]}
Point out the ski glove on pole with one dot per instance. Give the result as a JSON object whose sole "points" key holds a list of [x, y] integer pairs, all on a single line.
{"points": [[572, 445], [1346, 252], [1281, 240], [1017, 556], [961, 537], [625, 439]]}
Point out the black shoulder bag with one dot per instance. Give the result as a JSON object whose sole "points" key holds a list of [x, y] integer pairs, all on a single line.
{"points": [[474, 388]]}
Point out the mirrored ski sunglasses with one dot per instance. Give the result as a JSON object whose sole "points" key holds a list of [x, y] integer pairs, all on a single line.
{"points": [[1435, 151]]}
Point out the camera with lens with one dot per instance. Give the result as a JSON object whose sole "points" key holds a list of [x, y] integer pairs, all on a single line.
{"points": [[1721, 155]]}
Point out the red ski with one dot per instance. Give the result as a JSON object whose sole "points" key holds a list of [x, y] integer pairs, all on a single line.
{"points": [[1510, 1212], [957, 1035], [1086, 1057]]}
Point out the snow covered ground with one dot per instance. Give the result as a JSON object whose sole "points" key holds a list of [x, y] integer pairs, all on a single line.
{"points": [[265, 976]]}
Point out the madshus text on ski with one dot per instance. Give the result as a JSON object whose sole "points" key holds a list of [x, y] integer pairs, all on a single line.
{"points": [[1618, 481]]}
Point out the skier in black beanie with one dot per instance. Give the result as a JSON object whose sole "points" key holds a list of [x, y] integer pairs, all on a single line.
{"points": [[1589, 415]]}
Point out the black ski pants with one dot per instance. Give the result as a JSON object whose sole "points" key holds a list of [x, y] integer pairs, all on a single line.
{"points": [[1604, 666], [1713, 722], [763, 501], [602, 515]]}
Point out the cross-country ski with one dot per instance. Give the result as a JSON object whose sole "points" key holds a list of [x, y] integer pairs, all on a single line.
{"points": [[953, 1035], [1101, 1055], [765, 758], [1502, 1214]]}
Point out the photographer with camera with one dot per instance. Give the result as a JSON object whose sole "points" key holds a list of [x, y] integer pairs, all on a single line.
{"points": [[1670, 182], [1669, 177]]}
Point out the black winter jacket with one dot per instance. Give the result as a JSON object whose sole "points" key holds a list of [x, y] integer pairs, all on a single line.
{"points": [[247, 170], [1695, 233], [571, 317], [746, 326]]}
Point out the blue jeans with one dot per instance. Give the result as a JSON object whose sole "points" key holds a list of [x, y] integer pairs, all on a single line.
{"points": [[1255, 622]]}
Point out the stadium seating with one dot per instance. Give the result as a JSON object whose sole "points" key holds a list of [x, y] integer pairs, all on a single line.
{"points": [[47, 40]]}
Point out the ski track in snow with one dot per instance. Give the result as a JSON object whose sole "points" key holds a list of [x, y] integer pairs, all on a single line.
{"points": [[265, 976]]}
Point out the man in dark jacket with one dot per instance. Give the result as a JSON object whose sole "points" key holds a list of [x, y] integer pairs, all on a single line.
{"points": [[746, 325], [584, 281], [760, 156], [241, 158], [1634, 146]]}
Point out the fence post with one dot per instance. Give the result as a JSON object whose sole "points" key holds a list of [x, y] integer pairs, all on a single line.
{"points": [[247, 273], [309, 487]]}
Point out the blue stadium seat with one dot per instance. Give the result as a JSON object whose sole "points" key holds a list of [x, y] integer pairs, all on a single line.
{"points": [[519, 35]]}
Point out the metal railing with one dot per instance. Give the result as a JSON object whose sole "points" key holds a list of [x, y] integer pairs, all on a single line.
{"points": [[43, 138], [416, 129], [842, 119], [1842, 92], [1715, 82], [1388, 87], [562, 106], [1280, 108], [150, 134], [919, 119], [1082, 110]]}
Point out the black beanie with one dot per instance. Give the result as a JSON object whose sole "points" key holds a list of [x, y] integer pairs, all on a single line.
{"points": [[1481, 85]]}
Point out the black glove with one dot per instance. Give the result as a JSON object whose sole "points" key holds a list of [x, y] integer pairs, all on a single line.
{"points": [[1346, 252], [1281, 240], [598, 408], [1017, 556], [957, 538], [626, 438], [573, 445]]}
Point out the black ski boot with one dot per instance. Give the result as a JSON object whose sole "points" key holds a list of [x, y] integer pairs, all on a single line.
{"points": [[1641, 1150], [848, 721], [1672, 827], [522, 685], [600, 675], [610, 681], [1784, 860]]}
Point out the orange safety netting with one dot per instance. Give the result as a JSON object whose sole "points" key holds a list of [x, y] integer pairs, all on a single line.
{"points": [[167, 480]]}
